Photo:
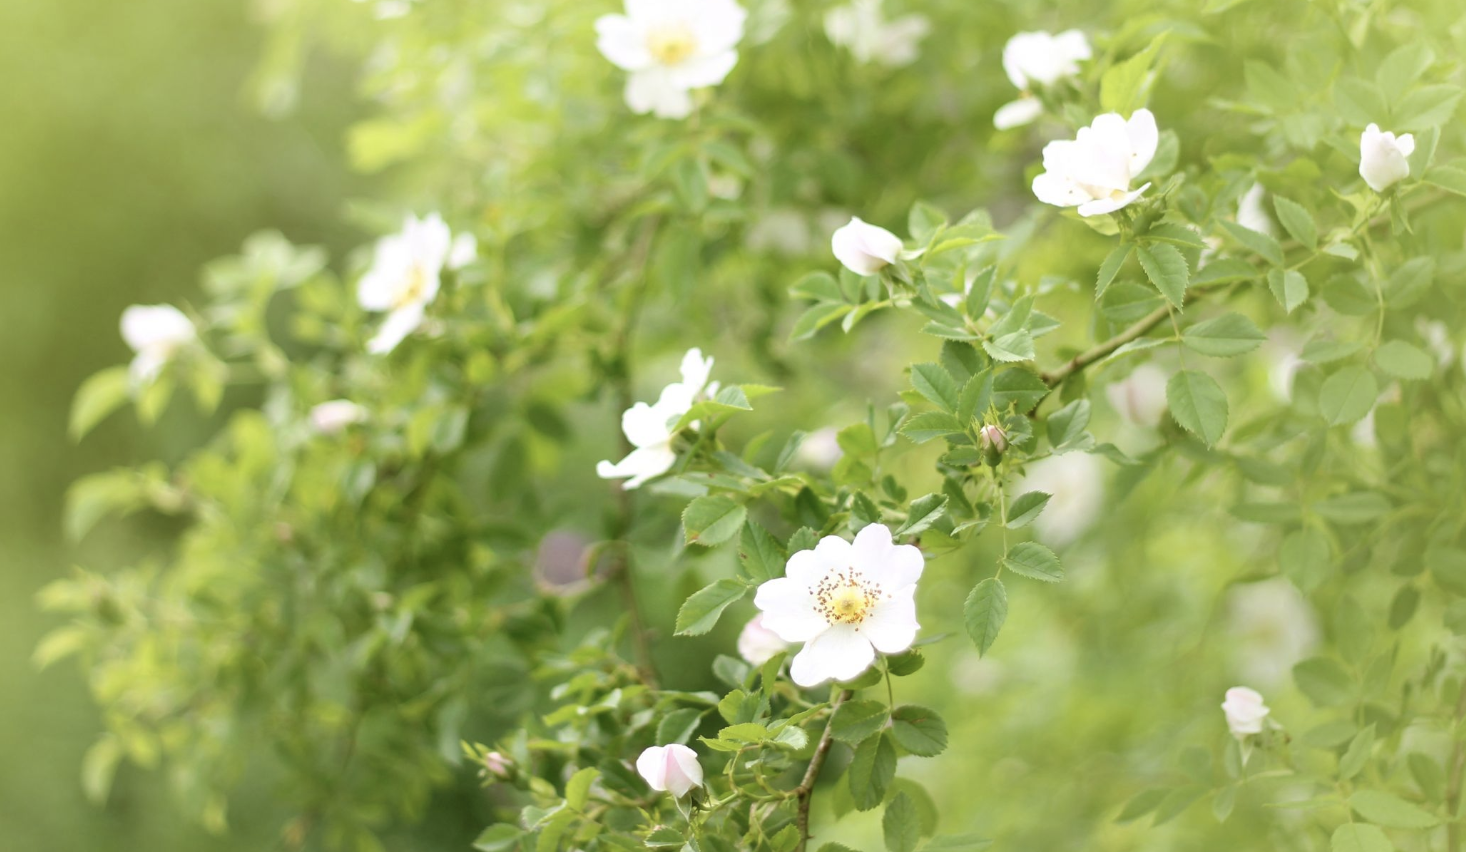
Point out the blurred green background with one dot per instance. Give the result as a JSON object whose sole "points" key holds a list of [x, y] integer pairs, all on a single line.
{"points": [[129, 158]]}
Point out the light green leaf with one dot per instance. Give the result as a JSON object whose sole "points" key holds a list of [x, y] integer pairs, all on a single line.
{"points": [[100, 395], [1297, 221], [1262, 244], [577, 789], [1166, 269], [1026, 509], [1224, 336], [1198, 404], [855, 721], [701, 611], [985, 611], [871, 771], [936, 384], [1124, 86], [901, 825], [1324, 681], [1289, 287], [712, 520], [924, 512], [1358, 837], [1404, 361], [919, 730], [1347, 395], [1033, 560], [1110, 268], [1066, 426]]}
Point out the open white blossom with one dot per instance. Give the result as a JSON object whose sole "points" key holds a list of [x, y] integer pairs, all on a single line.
{"points": [[649, 427], [1383, 158], [405, 276], [845, 601], [1038, 59], [155, 333], [757, 644], [671, 47], [1271, 628], [670, 769], [863, 248], [1140, 397], [1245, 711], [820, 449], [862, 28], [330, 418], [1076, 483], [1094, 170]]}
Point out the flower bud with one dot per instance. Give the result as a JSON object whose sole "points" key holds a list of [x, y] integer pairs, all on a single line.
{"points": [[865, 249], [757, 644], [994, 442], [498, 765], [1383, 158], [331, 418], [1245, 711], [671, 769]]}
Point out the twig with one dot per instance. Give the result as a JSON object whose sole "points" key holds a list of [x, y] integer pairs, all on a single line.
{"points": [[1453, 786], [805, 791]]}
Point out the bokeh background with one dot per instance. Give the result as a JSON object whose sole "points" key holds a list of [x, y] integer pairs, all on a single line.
{"points": [[129, 158]]}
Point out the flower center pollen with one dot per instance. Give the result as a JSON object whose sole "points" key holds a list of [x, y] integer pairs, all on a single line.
{"points": [[417, 285], [846, 599], [671, 44]]}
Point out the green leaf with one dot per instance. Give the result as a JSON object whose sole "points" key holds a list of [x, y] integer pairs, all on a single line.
{"points": [[1448, 178], [712, 520], [701, 611], [871, 771], [1166, 269], [923, 222], [577, 789], [936, 384], [856, 721], [678, 726], [99, 767], [1017, 386], [924, 512], [956, 843], [760, 554], [1198, 404], [1357, 755], [1403, 67], [663, 837], [100, 395], [1262, 244], [1142, 804], [1012, 347], [1324, 681], [930, 425], [1066, 426], [919, 730], [984, 612], [820, 286], [1358, 837], [1404, 361], [1224, 270], [1124, 85], [1033, 560], [1297, 221], [1026, 509], [816, 318], [1357, 508], [1448, 566], [1391, 811], [1110, 268], [1289, 287], [1347, 395], [501, 837], [976, 396], [1428, 106], [901, 825], [1224, 336]]}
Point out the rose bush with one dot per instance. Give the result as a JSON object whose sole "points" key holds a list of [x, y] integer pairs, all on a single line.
{"points": [[1049, 363]]}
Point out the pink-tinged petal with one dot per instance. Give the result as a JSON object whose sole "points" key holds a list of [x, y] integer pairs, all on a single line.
{"points": [[1018, 113], [880, 560], [683, 771], [651, 765], [1144, 137], [839, 653], [790, 610], [701, 71], [621, 41], [891, 627]]}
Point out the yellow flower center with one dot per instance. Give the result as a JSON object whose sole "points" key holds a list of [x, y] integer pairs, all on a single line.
{"points": [[671, 44], [846, 599], [417, 285]]}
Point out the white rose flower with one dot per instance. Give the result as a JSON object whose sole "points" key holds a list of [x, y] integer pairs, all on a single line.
{"points": [[404, 278], [845, 602], [1383, 158], [1251, 213], [330, 418], [1272, 627], [1093, 171], [1076, 484], [861, 27], [649, 427], [863, 248], [671, 47], [155, 333], [1038, 59], [1140, 397], [670, 769], [1245, 711], [758, 644]]}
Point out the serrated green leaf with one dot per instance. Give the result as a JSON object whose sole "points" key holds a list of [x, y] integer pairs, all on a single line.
{"points": [[855, 721], [759, 553], [924, 512], [919, 730], [1404, 361], [1262, 244], [1347, 395], [1289, 287], [1224, 336], [1198, 404], [900, 825], [1033, 560], [871, 771], [700, 613], [1166, 269], [984, 612], [1297, 221], [1359, 837], [936, 384], [713, 519], [1110, 268], [1026, 509]]}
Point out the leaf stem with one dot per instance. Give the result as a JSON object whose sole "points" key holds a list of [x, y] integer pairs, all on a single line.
{"points": [[805, 791]]}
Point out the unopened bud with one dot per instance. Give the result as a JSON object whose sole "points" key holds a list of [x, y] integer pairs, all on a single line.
{"points": [[994, 442], [498, 765]]}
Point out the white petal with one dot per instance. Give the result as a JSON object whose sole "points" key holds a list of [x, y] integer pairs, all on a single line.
{"points": [[651, 765], [621, 41], [891, 565], [695, 369], [1406, 144], [891, 627], [463, 252], [839, 653], [645, 425], [683, 770], [653, 90], [643, 464], [1073, 45], [398, 325], [158, 327], [1018, 113], [1144, 137], [718, 25], [702, 71], [1110, 205], [789, 610], [863, 248], [146, 366], [1058, 190]]}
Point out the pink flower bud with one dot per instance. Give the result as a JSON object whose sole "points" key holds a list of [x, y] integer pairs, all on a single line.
{"points": [[671, 768]]}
